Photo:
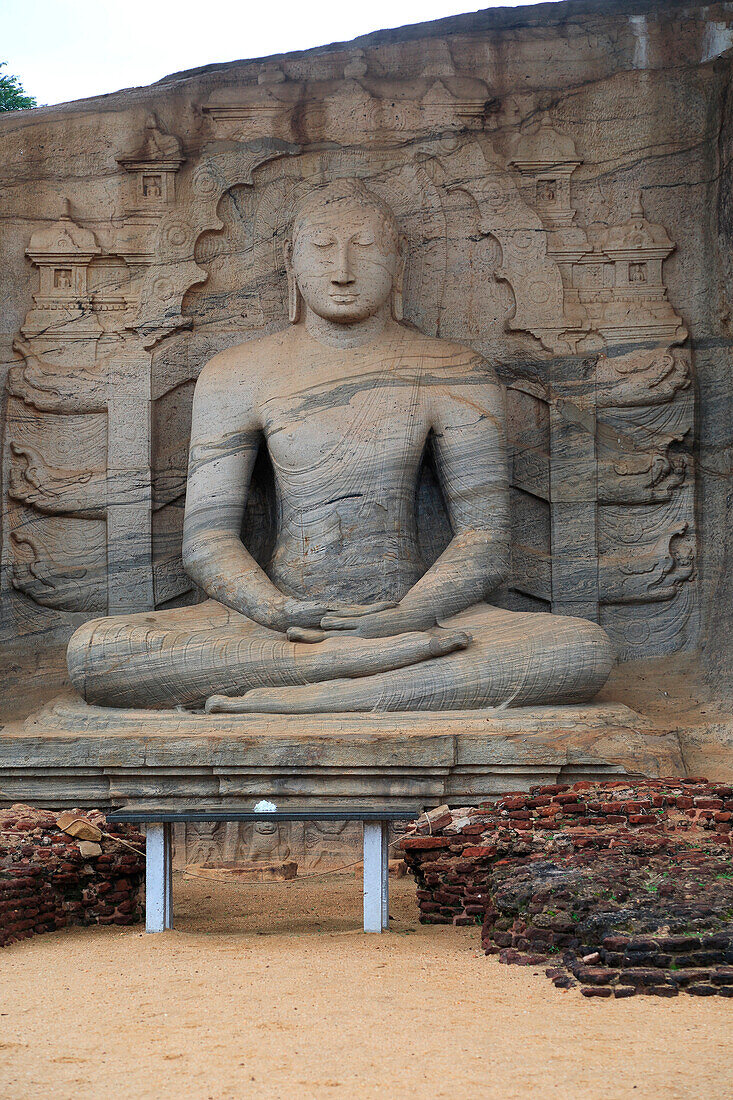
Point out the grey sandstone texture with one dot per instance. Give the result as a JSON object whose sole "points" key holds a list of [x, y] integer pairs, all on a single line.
{"points": [[519, 222]]}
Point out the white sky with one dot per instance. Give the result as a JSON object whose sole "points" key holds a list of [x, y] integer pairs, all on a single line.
{"points": [[70, 49]]}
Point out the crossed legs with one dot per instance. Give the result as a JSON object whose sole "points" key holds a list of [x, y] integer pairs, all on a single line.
{"points": [[482, 657]]}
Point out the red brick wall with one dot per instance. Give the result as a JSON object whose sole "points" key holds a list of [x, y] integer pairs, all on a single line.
{"points": [[625, 886], [47, 883]]}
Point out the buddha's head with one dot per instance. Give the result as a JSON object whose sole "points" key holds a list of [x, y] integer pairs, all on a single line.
{"points": [[344, 258]]}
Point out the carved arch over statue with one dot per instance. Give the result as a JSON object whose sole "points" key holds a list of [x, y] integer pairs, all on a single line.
{"points": [[414, 180]]}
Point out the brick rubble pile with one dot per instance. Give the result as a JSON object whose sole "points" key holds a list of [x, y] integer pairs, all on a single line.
{"points": [[624, 887], [49, 880]]}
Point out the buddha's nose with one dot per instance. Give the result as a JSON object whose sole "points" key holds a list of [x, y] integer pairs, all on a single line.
{"points": [[343, 275]]}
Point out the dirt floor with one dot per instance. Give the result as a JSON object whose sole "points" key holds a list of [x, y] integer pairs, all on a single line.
{"points": [[272, 991]]}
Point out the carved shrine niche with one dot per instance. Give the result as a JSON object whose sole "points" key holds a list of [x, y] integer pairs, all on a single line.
{"points": [[62, 253], [77, 481], [152, 165], [576, 319]]}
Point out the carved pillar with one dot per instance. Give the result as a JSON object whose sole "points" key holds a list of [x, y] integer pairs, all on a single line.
{"points": [[573, 497], [129, 506]]}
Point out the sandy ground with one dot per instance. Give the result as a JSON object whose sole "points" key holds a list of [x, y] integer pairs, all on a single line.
{"points": [[272, 991]]}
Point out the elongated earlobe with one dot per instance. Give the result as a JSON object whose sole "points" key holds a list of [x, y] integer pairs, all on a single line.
{"points": [[397, 306], [294, 299]]}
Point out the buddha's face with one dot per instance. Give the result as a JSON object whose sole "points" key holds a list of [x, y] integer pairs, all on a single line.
{"points": [[344, 258]]}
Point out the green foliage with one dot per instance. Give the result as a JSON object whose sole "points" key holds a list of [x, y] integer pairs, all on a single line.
{"points": [[12, 95]]}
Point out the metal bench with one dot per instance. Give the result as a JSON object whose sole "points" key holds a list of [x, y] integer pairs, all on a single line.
{"points": [[158, 848]]}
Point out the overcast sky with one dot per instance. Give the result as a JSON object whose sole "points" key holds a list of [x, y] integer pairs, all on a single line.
{"points": [[70, 49]]}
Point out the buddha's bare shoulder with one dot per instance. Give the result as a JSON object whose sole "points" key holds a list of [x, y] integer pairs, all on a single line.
{"points": [[248, 363], [450, 360]]}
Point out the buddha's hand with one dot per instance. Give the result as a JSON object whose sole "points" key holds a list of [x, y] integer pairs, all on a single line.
{"points": [[380, 623], [307, 615]]}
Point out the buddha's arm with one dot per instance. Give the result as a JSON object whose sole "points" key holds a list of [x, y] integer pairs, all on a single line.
{"points": [[469, 440], [467, 416], [225, 435], [224, 440]]}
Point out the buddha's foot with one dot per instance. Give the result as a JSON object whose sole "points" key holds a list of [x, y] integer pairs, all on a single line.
{"points": [[386, 654]]}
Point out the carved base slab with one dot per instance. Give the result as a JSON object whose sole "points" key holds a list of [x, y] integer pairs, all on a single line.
{"points": [[71, 754], [280, 870]]}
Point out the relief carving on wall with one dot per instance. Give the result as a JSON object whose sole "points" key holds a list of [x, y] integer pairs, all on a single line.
{"points": [[611, 454], [98, 402]]}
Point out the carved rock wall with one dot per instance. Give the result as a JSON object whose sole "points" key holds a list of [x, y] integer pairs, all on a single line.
{"points": [[560, 175]]}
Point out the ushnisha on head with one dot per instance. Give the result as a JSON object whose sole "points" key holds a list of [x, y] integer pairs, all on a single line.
{"points": [[345, 255]]}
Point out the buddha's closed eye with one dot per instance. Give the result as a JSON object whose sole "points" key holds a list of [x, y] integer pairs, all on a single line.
{"points": [[323, 242], [363, 240]]}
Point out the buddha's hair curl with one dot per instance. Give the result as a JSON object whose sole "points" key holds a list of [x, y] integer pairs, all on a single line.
{"points": [[348, 189]]}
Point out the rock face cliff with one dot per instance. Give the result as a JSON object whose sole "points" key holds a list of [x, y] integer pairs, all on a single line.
{"points": [[562, 175]]}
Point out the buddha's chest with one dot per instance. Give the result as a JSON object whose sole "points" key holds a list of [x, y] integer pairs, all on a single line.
{"points": [[374, 433]]}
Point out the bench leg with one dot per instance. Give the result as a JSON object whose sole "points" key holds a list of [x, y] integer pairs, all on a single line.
{"points": [[158, 877], [385, 876], [376, 876]]}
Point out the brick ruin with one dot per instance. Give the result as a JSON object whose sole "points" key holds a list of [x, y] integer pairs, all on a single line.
{"points": [[50, 880], [618, 887], [621, 887]]}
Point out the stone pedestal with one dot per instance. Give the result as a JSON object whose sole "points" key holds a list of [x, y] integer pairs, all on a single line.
{"points": [[73, 754]]}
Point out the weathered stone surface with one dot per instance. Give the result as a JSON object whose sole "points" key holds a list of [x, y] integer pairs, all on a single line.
{"points": [[106, 755], [245, 871]]}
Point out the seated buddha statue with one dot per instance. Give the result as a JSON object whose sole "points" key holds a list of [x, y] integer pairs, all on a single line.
{"points": [[346, 615]]}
